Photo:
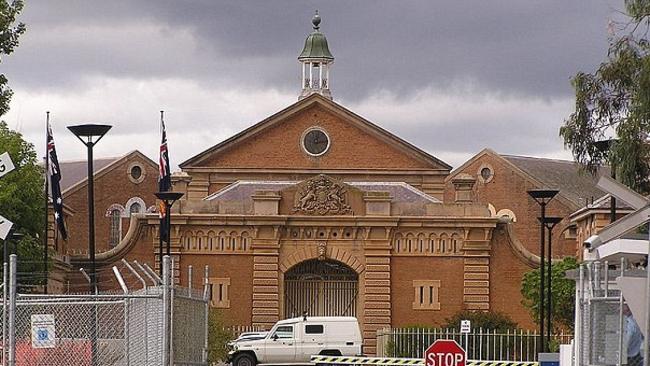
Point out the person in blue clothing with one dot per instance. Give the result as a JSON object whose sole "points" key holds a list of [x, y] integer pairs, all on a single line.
{"points": [[633, 338]]}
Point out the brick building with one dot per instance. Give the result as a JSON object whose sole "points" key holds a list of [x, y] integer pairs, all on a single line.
{"points": [[124, 186], [317, 209]]}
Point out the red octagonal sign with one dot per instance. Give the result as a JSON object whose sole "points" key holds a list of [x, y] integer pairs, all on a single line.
{"points": [[445, 352]]}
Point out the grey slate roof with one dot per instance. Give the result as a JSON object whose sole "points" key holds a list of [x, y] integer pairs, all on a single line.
{"points": [[407, 199], [75, 171], [578, 186]]}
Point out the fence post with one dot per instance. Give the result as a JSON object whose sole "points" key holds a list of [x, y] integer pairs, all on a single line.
{"points": [[206, 298], [12, 310], [166, 314], [5, 274]]}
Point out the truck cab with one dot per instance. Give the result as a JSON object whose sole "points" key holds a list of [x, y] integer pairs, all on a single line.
{"points": [[295, 340]]}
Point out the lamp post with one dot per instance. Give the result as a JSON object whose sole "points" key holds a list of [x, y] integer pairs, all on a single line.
{"points": [[549, 223], [89, 135], [605, 146], [168, 199], [542, 197]]}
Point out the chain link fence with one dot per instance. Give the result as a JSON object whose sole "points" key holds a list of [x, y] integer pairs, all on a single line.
{"points": [[158, 324], [600, 337]]}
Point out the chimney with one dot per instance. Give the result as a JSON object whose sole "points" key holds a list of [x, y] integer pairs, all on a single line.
{"points": [[463, 185]]}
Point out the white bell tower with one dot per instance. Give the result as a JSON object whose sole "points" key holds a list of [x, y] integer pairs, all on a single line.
{"points": [[316, 60]]}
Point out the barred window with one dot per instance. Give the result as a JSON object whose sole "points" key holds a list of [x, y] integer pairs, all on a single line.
{"points": [[115, 234], [426, 295]]}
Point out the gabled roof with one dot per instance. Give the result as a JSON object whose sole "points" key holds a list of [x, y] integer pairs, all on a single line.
{"points": [[108, 165], [577, 187], [74, 171], [331, 106]]}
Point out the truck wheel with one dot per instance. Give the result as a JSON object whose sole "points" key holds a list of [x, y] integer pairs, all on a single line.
{"points": [[244, 359]]}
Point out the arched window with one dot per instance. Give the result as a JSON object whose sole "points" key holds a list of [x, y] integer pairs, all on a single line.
{"points": [[135, 208], [115, 234]]}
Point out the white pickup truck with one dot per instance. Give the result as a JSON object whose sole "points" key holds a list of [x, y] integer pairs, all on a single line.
{"points": [[294, 341]]}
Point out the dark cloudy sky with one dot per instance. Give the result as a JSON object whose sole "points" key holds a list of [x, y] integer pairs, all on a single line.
{"points": [[452, 77]]}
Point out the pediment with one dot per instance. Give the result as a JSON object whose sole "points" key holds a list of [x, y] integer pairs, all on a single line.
{"points": [[278, 142]]}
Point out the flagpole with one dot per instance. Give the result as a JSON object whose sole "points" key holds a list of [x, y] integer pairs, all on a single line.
{"points": [[47, 186], [163, 220]]}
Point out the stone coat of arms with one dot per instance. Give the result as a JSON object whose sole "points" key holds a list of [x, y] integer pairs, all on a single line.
{"points": [[321, 195]]}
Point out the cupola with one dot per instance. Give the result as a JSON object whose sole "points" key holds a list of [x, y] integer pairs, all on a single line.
{"points": [[316, 60]]}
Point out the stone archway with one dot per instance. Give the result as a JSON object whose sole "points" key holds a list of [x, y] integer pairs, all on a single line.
{"points": [[320, 287]]}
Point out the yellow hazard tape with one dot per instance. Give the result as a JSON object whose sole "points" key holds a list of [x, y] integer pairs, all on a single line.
{"points": [[342, 360]]}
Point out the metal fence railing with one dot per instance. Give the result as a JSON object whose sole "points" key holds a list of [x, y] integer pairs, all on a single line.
{"points": [[157, 324], [480, 344]]}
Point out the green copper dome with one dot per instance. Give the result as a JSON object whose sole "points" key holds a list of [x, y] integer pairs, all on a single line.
{"points": [[316, 43]]}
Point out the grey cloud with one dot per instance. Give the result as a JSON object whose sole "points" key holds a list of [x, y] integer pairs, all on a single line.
{"points": [[513, 47]]}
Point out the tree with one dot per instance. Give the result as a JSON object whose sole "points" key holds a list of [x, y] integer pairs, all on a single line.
{"points": [[9, 34], [22, 202], [616, 98], [562, 293]]}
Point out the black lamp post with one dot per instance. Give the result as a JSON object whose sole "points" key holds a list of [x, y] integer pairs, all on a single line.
{"points": [[168, 199], [604, 147], [549, 223], [542, 197], [89, 135]]}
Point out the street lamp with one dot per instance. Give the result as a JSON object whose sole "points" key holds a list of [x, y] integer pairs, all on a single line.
{"points": [[542, 197], [605, 146], [168, 199], [89, 135], [549, 223]]}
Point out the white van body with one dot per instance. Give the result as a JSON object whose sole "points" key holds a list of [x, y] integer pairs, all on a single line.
{"points": [[295, 340]]}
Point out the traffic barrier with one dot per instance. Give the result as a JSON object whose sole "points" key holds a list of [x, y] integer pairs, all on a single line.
{"points": [[380, 361]]}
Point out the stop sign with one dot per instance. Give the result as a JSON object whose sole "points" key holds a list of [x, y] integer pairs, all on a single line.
{"points": [[445, 352]]}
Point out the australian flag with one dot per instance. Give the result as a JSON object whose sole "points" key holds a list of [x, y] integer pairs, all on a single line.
{"points": [[55, 184], [164, 179]]}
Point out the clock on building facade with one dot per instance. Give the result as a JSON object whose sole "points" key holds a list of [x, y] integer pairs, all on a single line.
{"points": [[315, 141]]}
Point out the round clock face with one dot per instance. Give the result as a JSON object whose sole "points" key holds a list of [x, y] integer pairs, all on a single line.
{"points": [[316, 142]]}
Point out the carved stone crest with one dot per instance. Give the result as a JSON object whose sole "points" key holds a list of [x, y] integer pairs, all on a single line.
{"points": [[321, 195]]}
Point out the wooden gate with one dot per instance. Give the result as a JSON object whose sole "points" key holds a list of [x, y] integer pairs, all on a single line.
{"points": [[320, 288]]}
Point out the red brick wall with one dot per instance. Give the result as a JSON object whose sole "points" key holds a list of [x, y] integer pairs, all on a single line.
{"points": [[404, 270], [507, 190], [110, 188], [280, 147]]}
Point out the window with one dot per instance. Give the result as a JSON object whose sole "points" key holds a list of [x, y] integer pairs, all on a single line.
{"points": [[314, 329], [115, 234], [219, 292], [135, 208], [426, 295], [284, 332], [136, 173]]}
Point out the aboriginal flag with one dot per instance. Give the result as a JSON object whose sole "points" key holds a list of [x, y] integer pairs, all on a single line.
{"points": [[164, 179]]}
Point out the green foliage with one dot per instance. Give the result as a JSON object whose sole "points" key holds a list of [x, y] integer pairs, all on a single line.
{"points": [[562, 292], [218, 337], [22, 201], [492, 320], [9, 34], [616, 98]]}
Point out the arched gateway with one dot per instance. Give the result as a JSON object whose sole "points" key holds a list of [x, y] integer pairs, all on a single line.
{"points": [[320, 287]]}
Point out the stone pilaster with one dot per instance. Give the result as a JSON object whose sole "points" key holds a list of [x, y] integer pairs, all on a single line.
{"points": [[377, 299], [476, 284], [266, 289]]}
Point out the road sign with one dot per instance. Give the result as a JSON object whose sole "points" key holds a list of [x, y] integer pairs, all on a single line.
{"points": [[43, 331], [6, 165], [445, 352], [465, 326], [5, 226]]}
